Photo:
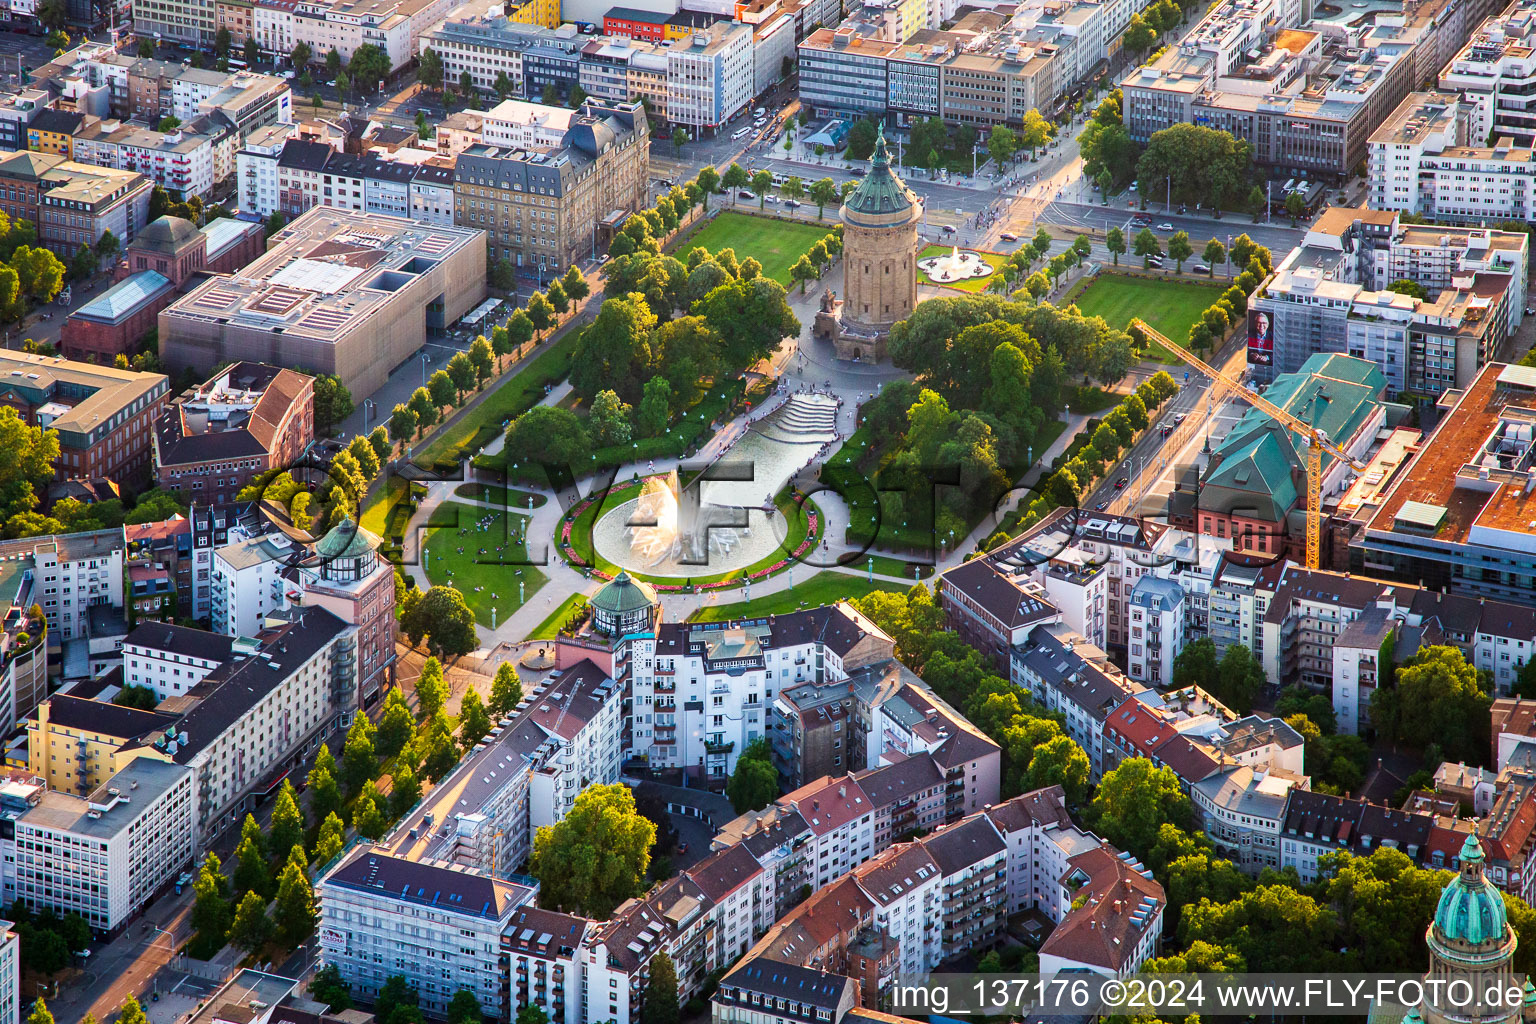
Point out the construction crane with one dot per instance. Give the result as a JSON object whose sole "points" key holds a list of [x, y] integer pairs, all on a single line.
{"points": [[1315, 441]]}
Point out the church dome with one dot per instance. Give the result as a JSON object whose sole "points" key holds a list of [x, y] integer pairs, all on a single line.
{"points": [[1471, 910]]}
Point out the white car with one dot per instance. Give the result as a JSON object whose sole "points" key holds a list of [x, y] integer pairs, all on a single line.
{"points": [[1165, 227]]}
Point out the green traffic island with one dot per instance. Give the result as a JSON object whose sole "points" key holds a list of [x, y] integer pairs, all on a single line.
{"points": [[482, 553], [974, 285], [503, 497], [804, 520]]}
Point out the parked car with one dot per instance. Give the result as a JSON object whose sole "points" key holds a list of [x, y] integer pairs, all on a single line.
{"points": [[793, 204], [1101, 506]]}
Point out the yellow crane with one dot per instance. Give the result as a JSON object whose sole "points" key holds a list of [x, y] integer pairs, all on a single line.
{"points": [[1313, 440]]}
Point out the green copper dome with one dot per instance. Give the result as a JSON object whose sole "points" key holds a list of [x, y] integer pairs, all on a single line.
{"points": [[881, 191], [346, 540], [1471, 910], [623, 594]]}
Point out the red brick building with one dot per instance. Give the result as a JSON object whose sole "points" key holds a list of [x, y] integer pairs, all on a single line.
{"points": [[105, 417], [156, 266], [216, 438]]}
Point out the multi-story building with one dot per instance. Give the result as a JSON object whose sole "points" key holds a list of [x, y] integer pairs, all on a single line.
{"points": [[1330, 295], [17, 112], [171, 659], [1157, 630], [74, 745], [1305, 99], [67, 575], [493, 45], [186, 161], [1424, 161], [1477, 461], [1064, 673], [249, 582], [74, 204], [219, 436], [526, 774], [352, 294], [1242, 811], [709, 76], [1495, 73], [347, 577], [1317, 823], [540, 207], [248, 100], [10, 972], [107, 855], [439, 927]]}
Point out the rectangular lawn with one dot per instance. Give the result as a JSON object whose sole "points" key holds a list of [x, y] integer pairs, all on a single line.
{"points": [[487, 581], [1170, 306], [776, 244]]}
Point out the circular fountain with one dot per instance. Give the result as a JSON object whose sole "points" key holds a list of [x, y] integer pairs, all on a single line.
{"points": [[726, 522], [958, 265]]}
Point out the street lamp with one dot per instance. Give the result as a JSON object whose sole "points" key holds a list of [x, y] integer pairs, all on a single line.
{"points": [[425, 359]]}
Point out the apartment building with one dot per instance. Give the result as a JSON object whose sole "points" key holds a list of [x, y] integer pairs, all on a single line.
{"points": [[526, 774], [1329, 295], [1306, 95], [71, 203], [1065, 673], [336, 292], [67, 574], [106, 856], [222, 434], [1318, 823], [347, 577], [250, 101], [1425, 161], [1495, 74], [492, 45], [1157, 630], [187, 161], [249, 582], [1242, 811], [10, 972], [439, 927]]}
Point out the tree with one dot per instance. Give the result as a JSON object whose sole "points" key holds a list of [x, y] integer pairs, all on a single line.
{"points": [[1138, 36], [324, 792], [442, 616], [359, 762], [132, 1012], [1295, 206], [404, 790], [752, 319], [1193, 163], [861, 139], [1114, 241], [503, 275], [575, 286], [1134, 800], [327, 986], [1239, 679], [397, 1002], [506, 691], [762, 181], [330, 838], [396, 726], [1002, 144], [1214, 253], [295, 908], [251, 929], [300, 55], [755, 782], [1438, 699], [708, 179], [609, 421], [655, 408], [333, 402], [1410, 288], [211, 911], [287, 823], [431, 690], [735, 177], [474, 723], [548, 435], [251, 874], [464, 1008], [823, 193], [146, 48], [1180, 249], [540, 313], [596, 856], [402, 424], [660, 1006], [370, 816], [1060, 762], [442, 752], [802, 271], [1195, 665]]}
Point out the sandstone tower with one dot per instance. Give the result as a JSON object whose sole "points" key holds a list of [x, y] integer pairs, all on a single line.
{"points": [[880, 220]]}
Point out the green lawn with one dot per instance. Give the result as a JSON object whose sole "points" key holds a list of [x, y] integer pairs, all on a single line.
{"points": [[825, 587], [776, 244], [495, 494], [974, 284], [550, 627], [454, 539], [515, 396], [1170, 306]]}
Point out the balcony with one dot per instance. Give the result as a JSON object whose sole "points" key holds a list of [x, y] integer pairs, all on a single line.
{"points": [[719, 748]]}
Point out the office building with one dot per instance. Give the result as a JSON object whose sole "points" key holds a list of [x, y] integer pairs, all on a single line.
{"points": [[107, 855], [1425, 161], [337, 292], [709, 76], [1495, 73], [541, 207], [187, 161], [216, 438]]}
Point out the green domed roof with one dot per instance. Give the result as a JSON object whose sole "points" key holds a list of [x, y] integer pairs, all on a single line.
{"points": [[623, 594], [1471, 910], [880, 191], [346, 540]]}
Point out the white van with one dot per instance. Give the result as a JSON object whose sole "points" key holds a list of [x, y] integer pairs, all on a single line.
{"points": [[760, 112], [740, 133]]}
